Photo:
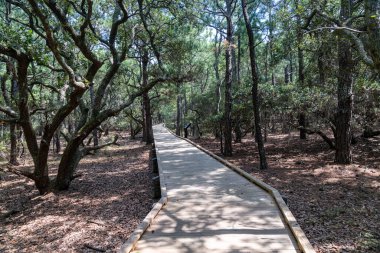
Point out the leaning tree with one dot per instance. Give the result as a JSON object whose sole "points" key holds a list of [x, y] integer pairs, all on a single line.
{"points": [[83, 45]]}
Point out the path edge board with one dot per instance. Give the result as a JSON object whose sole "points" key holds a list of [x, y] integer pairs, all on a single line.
{"points": [[300, 237], [130, 244]]}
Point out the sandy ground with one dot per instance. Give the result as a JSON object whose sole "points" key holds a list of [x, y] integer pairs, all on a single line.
{"points": [[337, 206], [100, 210]]}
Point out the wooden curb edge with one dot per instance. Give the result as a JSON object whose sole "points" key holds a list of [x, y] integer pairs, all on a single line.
{"points": [[130, 244], [299, 235]]}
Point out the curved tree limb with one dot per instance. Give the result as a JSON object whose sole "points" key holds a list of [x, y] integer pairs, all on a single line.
{"points": [[344, 29], [320, 133]]}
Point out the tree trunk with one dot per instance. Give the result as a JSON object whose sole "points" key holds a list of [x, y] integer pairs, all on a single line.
{"points": [[286, 74], [196, 133], [255, 82], [345, 80], [41, 172], [13, 137], [302, 124], [271, 49], [301, 74], [95, 132], [39, 154], [178, 119], [42, 180], [68, 164], [148, 119], [144, 135], [266, 124], [57, 141], [228, 83], [8, 101], [237, 130], [148, 124], [131, 131], [290, 65], [266, 63], [321, 66], [217, 51]]}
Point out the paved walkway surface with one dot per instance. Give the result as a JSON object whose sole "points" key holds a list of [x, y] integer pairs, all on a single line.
{"points": [[210, 208]]}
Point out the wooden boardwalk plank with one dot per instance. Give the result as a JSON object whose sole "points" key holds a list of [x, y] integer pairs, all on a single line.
{"points": [[210, 207]]}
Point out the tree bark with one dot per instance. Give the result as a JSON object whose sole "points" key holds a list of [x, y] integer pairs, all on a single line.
{"points": [[290, 65], [228, 83], [286, 74], [301, 73], [57, 141], [12, 126], [266, 63], [217, 51], [95, 132], [302, 124], [178, 118], [271, 49], [255, 83], [13, 137], [345, 80], [143, 121], [237, 130], [148, 124], [39, 154], [321, 66], [69, 161]]}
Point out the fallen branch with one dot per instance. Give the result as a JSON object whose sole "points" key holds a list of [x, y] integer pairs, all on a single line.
{"points": [[87, 150], [320, 133], [369, 133], [9, 214], [97, 223], [94, 248], [76, 176], [24, 173]]}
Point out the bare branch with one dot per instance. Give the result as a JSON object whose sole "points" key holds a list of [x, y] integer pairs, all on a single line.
{"points": [[8, 111], [52, 44], [45, 85], [360, 47], [335, 28], [346, 31]]}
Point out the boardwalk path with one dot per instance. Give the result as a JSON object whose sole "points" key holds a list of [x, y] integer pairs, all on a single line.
{"points": [[210, 207]]}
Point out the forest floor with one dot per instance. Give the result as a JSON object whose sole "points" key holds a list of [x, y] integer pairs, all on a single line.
{"points": [[338, 206], [100, 210]]}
